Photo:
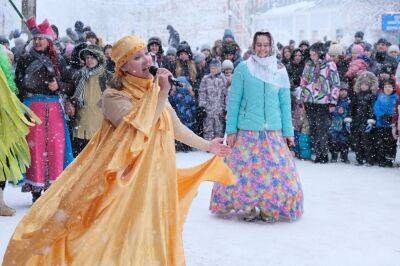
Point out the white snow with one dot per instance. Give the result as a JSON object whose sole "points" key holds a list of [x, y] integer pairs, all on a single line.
{"points": [[352, 217]]}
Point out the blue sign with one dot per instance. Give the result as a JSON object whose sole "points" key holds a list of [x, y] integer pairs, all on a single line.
{"points": [[391, 22]]}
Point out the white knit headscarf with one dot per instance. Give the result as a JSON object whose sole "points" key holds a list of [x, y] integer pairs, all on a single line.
{"points": [[268, 70]]}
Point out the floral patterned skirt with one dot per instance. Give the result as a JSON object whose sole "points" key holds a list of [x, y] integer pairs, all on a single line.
{"points": [[267, 178]]}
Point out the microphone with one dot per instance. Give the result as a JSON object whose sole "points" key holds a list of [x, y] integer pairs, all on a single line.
{"points": [[172, 80]]}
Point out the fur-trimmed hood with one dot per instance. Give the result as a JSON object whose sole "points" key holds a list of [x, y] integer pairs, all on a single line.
{"points": [[369, 77]]}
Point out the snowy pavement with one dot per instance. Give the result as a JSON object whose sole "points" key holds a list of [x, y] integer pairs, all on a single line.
{"points": [[352, 217]]}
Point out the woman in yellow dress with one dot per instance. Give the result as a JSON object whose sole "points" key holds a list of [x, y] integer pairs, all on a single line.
{"points": [[122, 201]]}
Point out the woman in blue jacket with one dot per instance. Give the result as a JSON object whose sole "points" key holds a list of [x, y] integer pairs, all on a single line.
{"points": [[259, 129]]}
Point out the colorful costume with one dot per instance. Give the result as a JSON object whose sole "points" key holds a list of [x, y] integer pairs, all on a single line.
{"points": [[259, 113], [49, 143], [122, 201], [14, 126]]}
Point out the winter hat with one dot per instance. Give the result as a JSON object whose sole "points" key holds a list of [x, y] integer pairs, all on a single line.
{"points": [[198, 57], [383, 41], [66, 39], [95, 51], [205, 47], [393, 48], [171, 51], [90, 34], [320, 49], [71, 34], [18, 42], [359, 34], [75, 60], [184, 47], [155, 40], [4, 40], [389, 81], [357, 49], [215, 63], [336, 49], [368, 47], [69, 48], [228, 34], [344, 85], [43, 30], [227, 64], [125, 48], [304, 43], [79, 26], [87, 28]]}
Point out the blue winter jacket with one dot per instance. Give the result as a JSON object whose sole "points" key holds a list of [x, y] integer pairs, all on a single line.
{"points": [[256, 105], [384, 109]]}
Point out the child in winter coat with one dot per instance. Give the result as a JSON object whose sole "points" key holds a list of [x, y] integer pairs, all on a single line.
{"points": [[339, 130], [302, 138], [212, 95], [384, 109], [183, 101], [227, 71], [363, 116]]}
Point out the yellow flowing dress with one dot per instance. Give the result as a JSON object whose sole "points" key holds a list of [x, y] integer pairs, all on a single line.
{"points": [[122, 201]]}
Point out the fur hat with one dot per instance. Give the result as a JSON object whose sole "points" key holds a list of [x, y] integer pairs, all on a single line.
{"points": [[369, 78], [95, 51], [155, 40], [227, 64], [75, 59], [393, 48], [43, 30]]}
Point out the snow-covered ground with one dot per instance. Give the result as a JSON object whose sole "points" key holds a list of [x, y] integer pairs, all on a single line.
{"points": [[352, 217]]}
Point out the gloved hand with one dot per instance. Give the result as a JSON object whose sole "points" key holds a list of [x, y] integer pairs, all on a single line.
{"points": [[370, 126], [348, 120], [348, 127]]}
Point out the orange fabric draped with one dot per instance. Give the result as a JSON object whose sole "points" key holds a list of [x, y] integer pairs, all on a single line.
{"points": [[122, 201]]}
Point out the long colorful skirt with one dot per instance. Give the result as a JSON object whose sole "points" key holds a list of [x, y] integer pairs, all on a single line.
{"points": [[267, 178], [49, 143]]}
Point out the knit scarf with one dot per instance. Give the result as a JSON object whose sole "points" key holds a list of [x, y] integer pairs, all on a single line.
{"points": [[86, 73], [268, 70]]}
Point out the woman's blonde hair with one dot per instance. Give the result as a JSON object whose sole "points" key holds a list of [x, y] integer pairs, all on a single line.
{"points": [[192, 70]]}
